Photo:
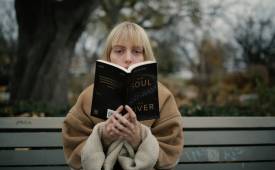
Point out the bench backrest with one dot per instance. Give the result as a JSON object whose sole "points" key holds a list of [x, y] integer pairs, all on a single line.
{"points": [[31, 144], [210, 143], [228, 143]]}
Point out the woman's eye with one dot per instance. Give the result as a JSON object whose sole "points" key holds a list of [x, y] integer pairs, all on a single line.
{"points": [[118, 51], [138, 51]]}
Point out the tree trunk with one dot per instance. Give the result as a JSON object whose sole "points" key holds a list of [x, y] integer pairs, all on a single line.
{"points": [[48, 31]]}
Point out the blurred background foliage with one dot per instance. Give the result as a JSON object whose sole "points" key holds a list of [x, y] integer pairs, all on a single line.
{"points": [[217, 57]]}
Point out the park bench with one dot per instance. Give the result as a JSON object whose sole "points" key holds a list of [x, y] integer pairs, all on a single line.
{"points": [[211, 143]]}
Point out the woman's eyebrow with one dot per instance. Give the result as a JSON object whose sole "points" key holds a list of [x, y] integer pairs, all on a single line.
{"points": [[138, 47], [118, 46]]}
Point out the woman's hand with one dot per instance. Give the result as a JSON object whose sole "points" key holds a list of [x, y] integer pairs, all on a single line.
{"points": [[135, 137], [108, 134], [123, 127]]}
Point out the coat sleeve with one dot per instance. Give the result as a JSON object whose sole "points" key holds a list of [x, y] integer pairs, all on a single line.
{"points": [[76, 129], [168, 131]]}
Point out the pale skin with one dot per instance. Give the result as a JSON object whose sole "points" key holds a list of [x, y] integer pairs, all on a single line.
{"points": [[125, 127]]}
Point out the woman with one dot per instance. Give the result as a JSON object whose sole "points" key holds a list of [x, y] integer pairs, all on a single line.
{"points": [[123, 142]]}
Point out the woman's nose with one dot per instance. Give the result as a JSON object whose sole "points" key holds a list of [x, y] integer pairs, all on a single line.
{"points": [[128, 57]]}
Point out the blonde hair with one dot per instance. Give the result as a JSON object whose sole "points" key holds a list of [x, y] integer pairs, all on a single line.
{"points": [[128, 31]]}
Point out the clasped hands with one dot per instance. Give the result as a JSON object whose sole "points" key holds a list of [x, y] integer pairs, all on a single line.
{"points": [[125, 127]]}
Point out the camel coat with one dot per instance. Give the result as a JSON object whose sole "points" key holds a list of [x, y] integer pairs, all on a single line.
{"points": [[164, 135]]}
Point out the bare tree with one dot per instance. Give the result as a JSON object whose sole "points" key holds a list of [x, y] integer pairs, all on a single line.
{"points": [[257, 40]]}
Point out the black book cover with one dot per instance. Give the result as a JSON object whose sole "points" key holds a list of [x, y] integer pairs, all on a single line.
{"points": [[136, 86]]}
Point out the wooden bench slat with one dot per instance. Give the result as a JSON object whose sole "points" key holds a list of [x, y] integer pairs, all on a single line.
{"points": [[37, 168], [32, 157], [32, 139], [31, 123], [188, 122], [54, 139], [238, 137], [198, 154], [229, 122], [222, 154], [228, 166]]}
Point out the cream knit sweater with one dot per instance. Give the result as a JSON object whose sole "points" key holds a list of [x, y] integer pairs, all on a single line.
{"points": [[94, 158]]}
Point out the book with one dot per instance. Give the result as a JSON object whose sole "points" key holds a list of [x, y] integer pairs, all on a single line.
{"points": [[136, 86]]}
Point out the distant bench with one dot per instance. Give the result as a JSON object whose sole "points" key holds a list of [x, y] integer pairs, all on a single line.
{"points": [[211, 143]]}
